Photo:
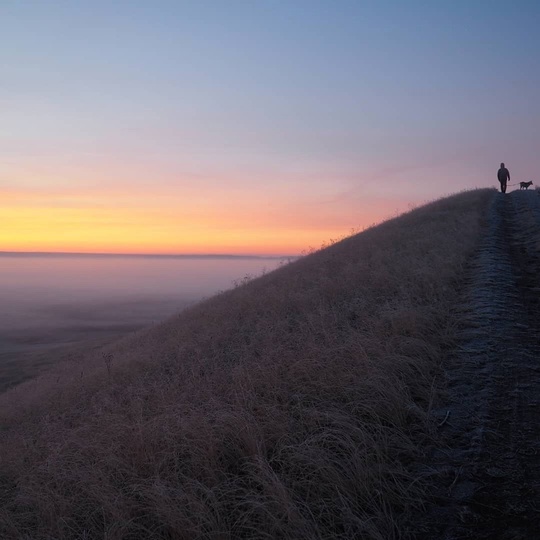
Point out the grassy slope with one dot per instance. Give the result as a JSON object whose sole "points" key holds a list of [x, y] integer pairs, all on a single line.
{"points": [[288, 407]]}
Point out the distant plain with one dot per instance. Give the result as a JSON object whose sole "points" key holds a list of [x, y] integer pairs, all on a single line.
{"points": [[54, 303]]}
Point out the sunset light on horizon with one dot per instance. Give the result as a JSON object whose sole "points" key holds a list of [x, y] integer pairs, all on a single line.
{"points": [[253, 127]]}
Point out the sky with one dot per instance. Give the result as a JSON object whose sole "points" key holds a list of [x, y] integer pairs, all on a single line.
{"points": [[254, 126]]}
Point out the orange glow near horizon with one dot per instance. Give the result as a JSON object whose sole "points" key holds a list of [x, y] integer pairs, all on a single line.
{"points": [[169, 222]]}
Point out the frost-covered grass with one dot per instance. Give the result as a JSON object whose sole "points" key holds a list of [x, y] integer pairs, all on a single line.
{"points": [[288, 407]]}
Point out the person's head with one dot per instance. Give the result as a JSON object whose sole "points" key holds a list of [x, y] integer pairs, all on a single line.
{"points": [[502, 165]]}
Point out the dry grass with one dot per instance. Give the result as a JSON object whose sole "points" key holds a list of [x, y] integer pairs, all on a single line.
{"points": [[288, 407]]}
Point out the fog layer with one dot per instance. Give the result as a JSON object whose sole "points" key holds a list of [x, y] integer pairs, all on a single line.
{"points": [[51, 300]]}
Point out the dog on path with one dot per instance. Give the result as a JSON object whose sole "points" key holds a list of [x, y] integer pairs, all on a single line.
{"points": [[525, 185]]}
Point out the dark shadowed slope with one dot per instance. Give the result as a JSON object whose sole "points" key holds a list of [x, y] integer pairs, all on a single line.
{"points": [[294, 406]]}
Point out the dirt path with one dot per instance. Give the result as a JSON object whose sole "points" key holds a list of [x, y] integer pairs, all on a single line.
{"points": [[486, 475]]}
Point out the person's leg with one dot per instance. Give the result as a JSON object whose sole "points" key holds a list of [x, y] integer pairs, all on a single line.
{"points": [[503, 187]]}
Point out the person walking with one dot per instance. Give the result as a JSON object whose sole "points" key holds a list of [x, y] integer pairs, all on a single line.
{"points": [[503, 174]]}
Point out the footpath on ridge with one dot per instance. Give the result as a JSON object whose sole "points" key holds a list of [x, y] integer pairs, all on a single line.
{"points": [[485, 476]]}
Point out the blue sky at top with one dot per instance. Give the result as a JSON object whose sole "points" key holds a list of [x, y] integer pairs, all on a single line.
{"points": [[427, 95]]}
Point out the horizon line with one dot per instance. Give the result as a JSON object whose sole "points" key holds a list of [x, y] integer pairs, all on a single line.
{"points": [[151, 255]]}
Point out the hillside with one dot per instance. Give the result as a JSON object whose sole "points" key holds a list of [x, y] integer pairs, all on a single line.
{"points": [[298, 405]]}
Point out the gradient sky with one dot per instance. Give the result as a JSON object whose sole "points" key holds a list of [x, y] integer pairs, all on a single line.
{"points": [[260, 126]]}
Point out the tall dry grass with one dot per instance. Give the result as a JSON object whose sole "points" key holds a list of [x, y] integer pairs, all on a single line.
{"points": [[288, 407]]}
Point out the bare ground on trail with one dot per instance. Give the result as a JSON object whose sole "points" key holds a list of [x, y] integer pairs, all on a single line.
{"points": [[485, 470]]}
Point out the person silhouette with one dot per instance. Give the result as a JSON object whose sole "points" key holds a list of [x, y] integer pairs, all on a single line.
{"points": [[503, 174]]}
